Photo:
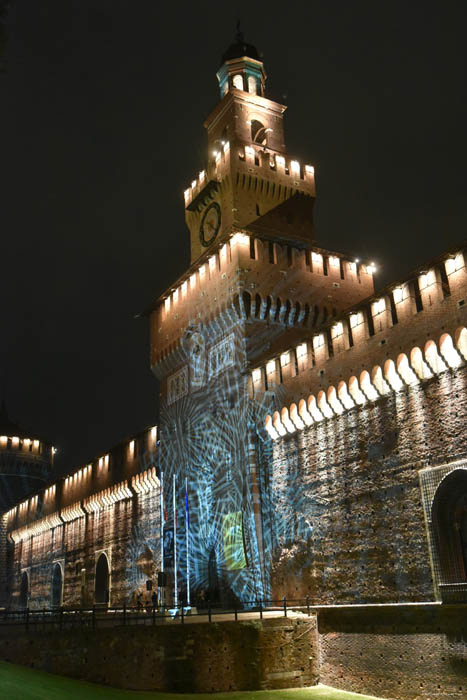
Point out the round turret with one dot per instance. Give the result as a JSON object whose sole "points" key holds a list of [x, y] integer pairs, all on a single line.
{"points": [[26, 462]]}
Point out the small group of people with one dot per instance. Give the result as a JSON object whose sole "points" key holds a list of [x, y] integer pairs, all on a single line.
{"points": [[149, 604]]}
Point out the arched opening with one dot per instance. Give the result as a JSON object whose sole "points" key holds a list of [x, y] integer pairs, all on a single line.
{"points": [[449, 518], [277, 309], [344, 396], [419, 365], [405, 371], [378, 381], [24, 590], [367, 386], [461, 341], [252, 85], [258, 132], [448, 351], [258, 305], [237, 81], [102, 592], [246, 304], [433, 358], [57, 586]]}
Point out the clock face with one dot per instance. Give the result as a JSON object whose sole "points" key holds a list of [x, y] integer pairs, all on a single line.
{"points": [[210, 224]]}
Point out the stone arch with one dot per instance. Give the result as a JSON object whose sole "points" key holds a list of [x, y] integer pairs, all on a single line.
{"points": [[405, 370], [391, 375], [303, 412], [449, 521], [433, 358], [102, 583], [24, 590], [56, 592], [355, 392], [448, 351], [295, 417], [419, 365], [460, 338], [344, 396], [323, 405], [367, 386], [285, 420], [334, 401], [378, 381]]}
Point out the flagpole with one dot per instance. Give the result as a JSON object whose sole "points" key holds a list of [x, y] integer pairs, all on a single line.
{"points": [[161, 499], [187, 528], [175, 546]]}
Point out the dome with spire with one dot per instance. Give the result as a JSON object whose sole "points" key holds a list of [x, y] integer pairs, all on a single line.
{"points": [[240, 48], [241, 68]]}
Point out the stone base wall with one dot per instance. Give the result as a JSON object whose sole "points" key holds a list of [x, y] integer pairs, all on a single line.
{"points": [[277, 653], [404, 652]]}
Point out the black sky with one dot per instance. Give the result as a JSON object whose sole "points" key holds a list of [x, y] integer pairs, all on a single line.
{"points": [[101, 112]]}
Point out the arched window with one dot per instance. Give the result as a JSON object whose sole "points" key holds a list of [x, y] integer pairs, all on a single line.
{"points": [[449, 518], [57, 586], [258, 132], [24, 590], [252, 85], [237, 81], [101, 591]]}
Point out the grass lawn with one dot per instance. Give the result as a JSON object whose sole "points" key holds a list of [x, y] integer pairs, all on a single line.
{"points": [[21, 683]]}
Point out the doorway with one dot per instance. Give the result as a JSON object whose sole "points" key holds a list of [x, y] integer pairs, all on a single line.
{"points": [[102, 593], [57, 585]]}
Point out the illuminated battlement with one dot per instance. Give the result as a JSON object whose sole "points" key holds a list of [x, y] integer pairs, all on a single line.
{"points": [[404, 316], [114, 476], [260, 281], [251, 159], [27, 446], [408, 370]]}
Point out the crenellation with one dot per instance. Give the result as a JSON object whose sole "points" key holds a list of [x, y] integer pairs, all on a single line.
{"points": [[379, 324]]}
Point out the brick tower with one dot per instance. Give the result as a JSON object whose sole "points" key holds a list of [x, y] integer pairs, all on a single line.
{"points": [[257, 283]]}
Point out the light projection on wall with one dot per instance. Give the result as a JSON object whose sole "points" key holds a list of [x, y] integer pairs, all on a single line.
{"points": [[204, 439], [234, 549]]}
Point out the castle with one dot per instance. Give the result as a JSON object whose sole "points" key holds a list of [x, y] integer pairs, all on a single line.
{"points": [[314, 431]]}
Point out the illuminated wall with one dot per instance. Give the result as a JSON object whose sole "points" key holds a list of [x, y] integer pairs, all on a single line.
{"points": [[349, 521]]}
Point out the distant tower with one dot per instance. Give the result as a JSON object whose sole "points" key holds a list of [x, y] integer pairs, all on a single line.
{"points": [[26, 464]]}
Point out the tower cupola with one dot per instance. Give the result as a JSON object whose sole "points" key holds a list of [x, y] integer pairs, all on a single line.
{"points": [[241, 68]]}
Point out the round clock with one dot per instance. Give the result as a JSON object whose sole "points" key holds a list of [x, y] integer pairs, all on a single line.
{"points": [[210, 224]]}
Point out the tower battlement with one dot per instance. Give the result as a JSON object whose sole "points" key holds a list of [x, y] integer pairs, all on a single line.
{"points": [[263, 282], [288, 173]]}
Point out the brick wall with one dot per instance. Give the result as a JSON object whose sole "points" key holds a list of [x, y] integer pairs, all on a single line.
{"points": [[348, 522], [278, 653], [409, 652]]}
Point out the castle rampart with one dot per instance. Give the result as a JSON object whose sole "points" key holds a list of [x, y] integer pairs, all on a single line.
{"points": [[402, 321], [91, 512]]}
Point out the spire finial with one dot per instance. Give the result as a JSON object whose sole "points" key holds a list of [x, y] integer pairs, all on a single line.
{"points": [[239, 34]]}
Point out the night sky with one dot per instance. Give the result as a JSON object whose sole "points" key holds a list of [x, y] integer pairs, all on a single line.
{"points": [[101, 112]]}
